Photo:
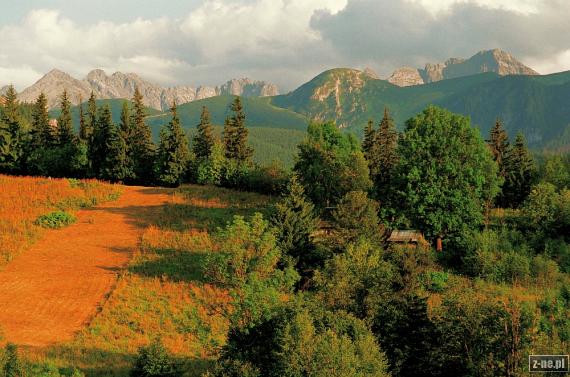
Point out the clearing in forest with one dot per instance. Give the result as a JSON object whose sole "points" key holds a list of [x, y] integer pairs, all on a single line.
{"points": [[50, 291]]}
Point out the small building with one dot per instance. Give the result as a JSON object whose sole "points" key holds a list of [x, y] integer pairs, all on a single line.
{"points": [[410, 237]]}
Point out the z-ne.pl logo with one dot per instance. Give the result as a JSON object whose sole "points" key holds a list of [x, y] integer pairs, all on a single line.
{"points": [[548, 363]]}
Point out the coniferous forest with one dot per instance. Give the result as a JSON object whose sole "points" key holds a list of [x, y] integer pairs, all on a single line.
{"points": [[318, 280]]}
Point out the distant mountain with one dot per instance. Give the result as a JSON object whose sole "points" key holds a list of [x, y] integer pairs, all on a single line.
{"points": [[534, 105], [496, 60], [122, 85]]}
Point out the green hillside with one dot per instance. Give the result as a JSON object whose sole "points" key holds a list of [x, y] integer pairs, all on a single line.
{"points": [[534, 105]]}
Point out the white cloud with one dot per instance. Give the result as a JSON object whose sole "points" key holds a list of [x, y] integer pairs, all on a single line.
{"points": [[284, 41]]}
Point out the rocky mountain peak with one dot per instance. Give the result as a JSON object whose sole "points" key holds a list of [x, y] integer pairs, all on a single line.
{"points": [[495, 60], [122, 85]]}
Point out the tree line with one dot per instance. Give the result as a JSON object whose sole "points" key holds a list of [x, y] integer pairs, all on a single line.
{"points": [[123, 152]]}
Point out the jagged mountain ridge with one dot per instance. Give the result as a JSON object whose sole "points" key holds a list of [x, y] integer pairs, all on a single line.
{"points": [[495, 60], [122, 85]]}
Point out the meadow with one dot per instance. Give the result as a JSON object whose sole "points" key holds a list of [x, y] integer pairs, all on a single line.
{"points": [[162, 292], [24, 199]]}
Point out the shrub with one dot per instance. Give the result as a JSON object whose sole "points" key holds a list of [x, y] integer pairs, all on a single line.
{"points": [[436, 281], [56, 220], [13, 367], [154, 360]]}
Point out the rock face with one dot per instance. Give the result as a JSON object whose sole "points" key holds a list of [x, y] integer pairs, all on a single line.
{"points": [[406, 76], [496, 60], [122, 85]]}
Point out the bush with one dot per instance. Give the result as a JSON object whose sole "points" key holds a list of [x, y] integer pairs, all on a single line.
{"points": [[154, 360], [55, 220], [436, 281], [271, 179]]}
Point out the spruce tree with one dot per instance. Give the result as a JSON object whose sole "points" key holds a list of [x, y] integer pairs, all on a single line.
{"points": [[12, 133], [127, 134], [91, 121], [102, 135], [520, 173], [235, 134], [384, 155], [500, 149], [295, 220], [173, 153], [369, 138], [204, 140], [82, 122], [42, 133], [115, 167], [65, 134], [143, 148]]}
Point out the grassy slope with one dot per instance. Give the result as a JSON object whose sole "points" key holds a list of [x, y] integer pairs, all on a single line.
{"points": [[163, 292]]}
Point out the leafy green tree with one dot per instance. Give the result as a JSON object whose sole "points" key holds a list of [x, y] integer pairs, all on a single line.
{"points": [[249, 264], [556, 172], [65, 133], [445, 174], [209, 171], [304, 340], [235, 134], [173, 153], [204, 140], [295, 221], [143, 148], [13, 367], [330, 164], [12, 133], [154, 361], [521, 173]]}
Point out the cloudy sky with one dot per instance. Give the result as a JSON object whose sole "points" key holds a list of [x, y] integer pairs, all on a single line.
{"points": [[206, 42]]}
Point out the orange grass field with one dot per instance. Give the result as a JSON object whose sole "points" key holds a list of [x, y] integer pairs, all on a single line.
{"points": [[23, 199], [162, 292]]}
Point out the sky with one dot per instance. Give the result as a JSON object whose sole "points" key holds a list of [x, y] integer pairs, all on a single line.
{"points": [[287, 42]]}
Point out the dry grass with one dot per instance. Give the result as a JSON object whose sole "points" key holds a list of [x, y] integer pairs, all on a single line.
{"points": [[163, 293], [23, 199]]}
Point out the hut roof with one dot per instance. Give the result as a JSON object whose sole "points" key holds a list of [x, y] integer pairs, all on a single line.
{"points": [[405, 236]]}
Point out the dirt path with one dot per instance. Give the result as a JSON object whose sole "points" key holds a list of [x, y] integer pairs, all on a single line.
{"points": [[53, 289]]}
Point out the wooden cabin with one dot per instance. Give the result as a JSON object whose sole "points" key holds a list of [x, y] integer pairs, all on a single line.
{"points": [[409, 237]]}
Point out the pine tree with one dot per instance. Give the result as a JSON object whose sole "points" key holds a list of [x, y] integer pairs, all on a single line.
{"points": [[384, 155], [102, 134], [204, 139], [65, 134], [520, 173], [143, 148], [42, 133], [82, 122], [369, 138], [173, 152], [295, 220], [115, 167], [12, 134], [235, 134], [91, 117], [127, 134], [499, 144]]}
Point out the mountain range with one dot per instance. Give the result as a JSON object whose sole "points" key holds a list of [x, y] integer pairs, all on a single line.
{"points": [[122, 85], [496, 60], [488, 86]]}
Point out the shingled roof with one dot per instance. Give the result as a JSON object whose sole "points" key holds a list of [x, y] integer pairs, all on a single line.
{"points": [[406, 236]]}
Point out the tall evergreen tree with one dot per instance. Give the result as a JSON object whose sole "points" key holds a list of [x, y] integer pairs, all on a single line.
{"points": [[127, 134], [173, 152], [369, 138], [114, 166], [520, 173], [384, 155], [65, 133], [235, 134], [295, 220], [91, 121], [143, 148], [501, 150], [204, 140], [42, 133], [12, 133], [102, 135], [82, 122]]}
